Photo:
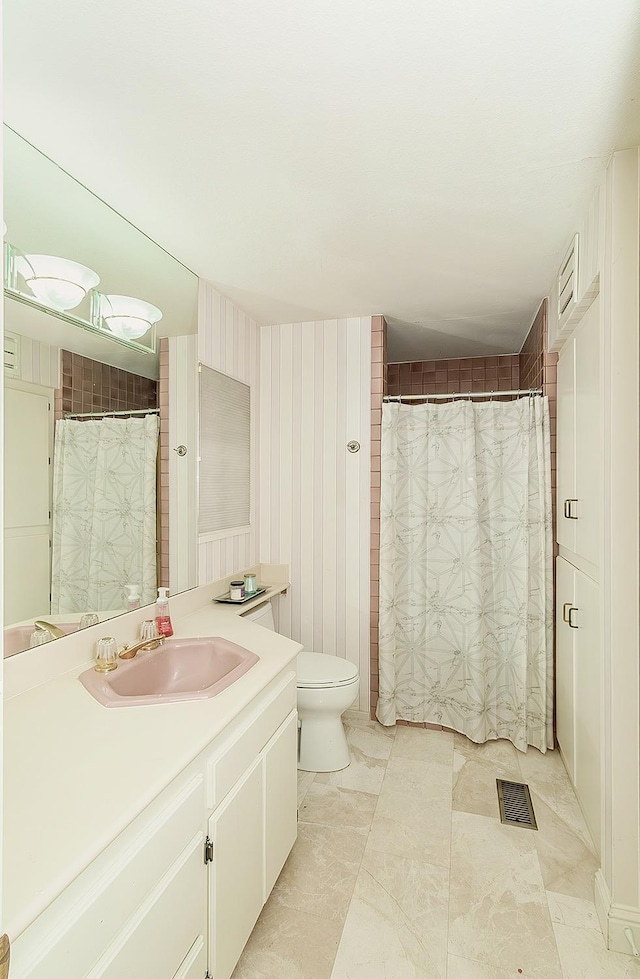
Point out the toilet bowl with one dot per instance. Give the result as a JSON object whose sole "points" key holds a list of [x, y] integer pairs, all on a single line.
{"points": [[327, 686]]}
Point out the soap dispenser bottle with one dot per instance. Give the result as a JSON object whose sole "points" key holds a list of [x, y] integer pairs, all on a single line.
{"points": [[163, 620], [132, 597]]}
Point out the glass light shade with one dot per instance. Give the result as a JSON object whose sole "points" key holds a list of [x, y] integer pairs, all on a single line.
{"points": [[127, 317], [56, 282]]}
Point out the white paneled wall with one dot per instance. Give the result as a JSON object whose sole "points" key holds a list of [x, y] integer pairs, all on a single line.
{"points": [[315, 389], [228, 342], [39, 363]]}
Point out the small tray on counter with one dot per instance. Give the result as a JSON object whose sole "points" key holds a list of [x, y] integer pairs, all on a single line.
{"points": [[240, 601]]}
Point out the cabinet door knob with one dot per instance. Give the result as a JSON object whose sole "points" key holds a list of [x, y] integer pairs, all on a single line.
{"points": [[568, 510]]}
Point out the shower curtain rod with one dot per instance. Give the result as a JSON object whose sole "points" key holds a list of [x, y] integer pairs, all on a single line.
{"points": [[459, 394], [111, 414]]}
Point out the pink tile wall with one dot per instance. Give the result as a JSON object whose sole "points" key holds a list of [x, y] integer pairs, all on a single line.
{"points": [[163, 466], [458, 376], [89, 385]]}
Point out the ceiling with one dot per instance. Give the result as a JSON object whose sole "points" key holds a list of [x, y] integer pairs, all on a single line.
{"points": [[425, 160]]}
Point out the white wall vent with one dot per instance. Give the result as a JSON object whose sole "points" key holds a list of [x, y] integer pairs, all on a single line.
{"points": [[12, 354], [568, 282]]}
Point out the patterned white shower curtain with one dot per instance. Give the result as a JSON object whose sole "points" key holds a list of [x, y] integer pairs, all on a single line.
{"points": [[466, 629], [104, 512]]}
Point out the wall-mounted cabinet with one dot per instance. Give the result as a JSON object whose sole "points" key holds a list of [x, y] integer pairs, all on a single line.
{"points": [[597, 589], [579, 687], [577, 281], [579, 440]]}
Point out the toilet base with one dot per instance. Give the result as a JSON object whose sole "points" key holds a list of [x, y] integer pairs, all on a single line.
{"points": [[323, 743]]}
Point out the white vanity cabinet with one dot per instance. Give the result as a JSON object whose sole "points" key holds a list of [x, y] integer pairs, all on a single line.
{"points": [[137, 909], [253, 828], [180, 889]]}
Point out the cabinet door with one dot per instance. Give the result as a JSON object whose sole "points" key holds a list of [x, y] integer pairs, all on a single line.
{"points": [[588, 445], [565, 686], [195, 963], [588, 686], [156, 938], [236, 879], [566, 448], [280, 799]]}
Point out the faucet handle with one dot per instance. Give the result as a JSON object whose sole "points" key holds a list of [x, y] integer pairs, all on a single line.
{"points": [[106, 655], [128, 652]]}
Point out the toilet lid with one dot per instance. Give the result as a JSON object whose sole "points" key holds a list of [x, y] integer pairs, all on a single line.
{"points": [[322, 670]]}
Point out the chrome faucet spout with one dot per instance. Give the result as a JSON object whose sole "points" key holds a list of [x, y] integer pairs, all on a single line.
{"points": [[128, 652]]}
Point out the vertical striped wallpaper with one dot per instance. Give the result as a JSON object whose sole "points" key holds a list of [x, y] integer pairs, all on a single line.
{"points": [[228, 341], [314, 495]]}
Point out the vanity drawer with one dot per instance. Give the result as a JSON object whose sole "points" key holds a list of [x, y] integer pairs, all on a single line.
{"points": [[121, 887], [226, 767]]}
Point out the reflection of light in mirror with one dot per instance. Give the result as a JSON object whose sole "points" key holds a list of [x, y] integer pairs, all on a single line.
{"points": [[127, 317], [56, 282]]}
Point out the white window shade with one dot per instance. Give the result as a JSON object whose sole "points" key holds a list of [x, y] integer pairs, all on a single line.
{"points": [[224, 472]]}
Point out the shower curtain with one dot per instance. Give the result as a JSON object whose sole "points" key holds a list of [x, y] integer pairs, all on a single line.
{"points": [[466, 621], [104, 512]]}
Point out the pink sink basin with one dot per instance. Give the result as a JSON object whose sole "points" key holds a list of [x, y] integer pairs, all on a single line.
{"points": [[180, 669], [16, 638]]}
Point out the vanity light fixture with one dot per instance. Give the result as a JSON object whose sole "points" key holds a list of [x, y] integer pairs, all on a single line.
{"points": [[57, 286], [56, 282], [127, 317]]}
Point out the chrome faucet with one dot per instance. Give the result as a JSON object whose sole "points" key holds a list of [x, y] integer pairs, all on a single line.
{"points": [[128, 652]]}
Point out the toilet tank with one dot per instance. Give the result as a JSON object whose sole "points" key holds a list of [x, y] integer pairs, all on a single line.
{"points": [[262, 615]]}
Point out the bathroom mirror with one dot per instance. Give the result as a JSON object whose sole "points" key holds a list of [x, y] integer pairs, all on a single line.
{"points": [[47, 212]]}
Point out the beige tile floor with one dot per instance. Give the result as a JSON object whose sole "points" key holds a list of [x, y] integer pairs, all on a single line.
{"points": [[402, 869]]}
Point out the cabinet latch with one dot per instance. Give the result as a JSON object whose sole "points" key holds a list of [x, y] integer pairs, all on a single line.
{"points": [[208, 851]]}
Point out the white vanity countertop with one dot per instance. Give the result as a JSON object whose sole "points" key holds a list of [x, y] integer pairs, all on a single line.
{"points": [[77, 773]]}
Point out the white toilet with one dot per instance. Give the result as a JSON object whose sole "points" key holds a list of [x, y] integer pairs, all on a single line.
{"points": [[327, 686]]}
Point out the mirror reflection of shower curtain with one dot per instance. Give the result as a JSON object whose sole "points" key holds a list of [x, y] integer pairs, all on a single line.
{"points": [[104, 512], [466, 604]]}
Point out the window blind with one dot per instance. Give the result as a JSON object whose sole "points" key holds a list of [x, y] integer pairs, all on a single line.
{"points": [[224, 473]]}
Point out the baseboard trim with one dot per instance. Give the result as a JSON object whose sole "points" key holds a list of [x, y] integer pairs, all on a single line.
{"points": [[603, 902], [615, 919]]}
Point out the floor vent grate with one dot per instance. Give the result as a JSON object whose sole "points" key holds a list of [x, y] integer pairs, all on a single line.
{"points": [[516, 808]]}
